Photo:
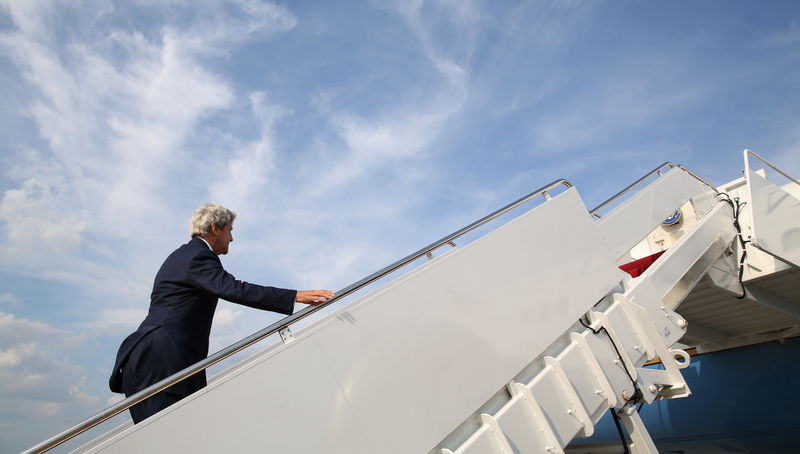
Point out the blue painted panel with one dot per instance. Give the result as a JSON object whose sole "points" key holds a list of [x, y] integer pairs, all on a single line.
{"points": [[743, 400]]}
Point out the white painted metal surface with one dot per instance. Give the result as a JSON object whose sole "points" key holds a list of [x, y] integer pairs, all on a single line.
{"points": [[571, 393], [480, 312], [679, 269], [516, 343], [771, 308], [431, 346], [643, 212], [642, 443], [562, 394], [273, 405], [776, 219]]}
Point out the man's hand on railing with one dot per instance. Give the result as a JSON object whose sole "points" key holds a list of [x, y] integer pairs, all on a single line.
{"points": [[313, 297]]}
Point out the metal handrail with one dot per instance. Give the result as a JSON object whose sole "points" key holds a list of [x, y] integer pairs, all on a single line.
{"points": [[747, 165], [657, 170], [278, 326], [697, 177]]}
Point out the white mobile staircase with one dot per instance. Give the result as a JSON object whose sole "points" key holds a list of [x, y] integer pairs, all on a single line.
{"points": [[517, 342]]}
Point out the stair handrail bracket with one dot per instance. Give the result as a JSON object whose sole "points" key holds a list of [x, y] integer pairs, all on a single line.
{"points": [[281, 325]]}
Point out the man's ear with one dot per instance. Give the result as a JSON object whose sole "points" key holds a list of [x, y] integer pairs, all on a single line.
{"points": [[214, 229]]}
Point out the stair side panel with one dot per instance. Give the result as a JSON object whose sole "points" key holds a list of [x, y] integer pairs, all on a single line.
{"points": [[448, 335]]}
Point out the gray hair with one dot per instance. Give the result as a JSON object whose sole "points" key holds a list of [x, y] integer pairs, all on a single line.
{"points": [[208, 214]]}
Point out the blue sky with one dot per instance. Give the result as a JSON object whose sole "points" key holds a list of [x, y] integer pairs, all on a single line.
{"points": [[345, 134]]}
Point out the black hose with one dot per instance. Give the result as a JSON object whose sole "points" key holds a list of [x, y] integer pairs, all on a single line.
{"points": [[737, 209], [619, 430]]}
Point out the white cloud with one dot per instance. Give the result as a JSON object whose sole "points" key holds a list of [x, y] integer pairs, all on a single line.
{"points": [[9, 297], [372, 143], [224, 317], [14, 355], [115, 159], [14, 330], [230, 327], [125, 318], [114, 399], [387, 148], [247, 172], [217, 25], [400, 137], [39, 388], [115, 108], [630, 101], [24, 212], [143, 110], [405, 131], [428, 20], [88, 201]]}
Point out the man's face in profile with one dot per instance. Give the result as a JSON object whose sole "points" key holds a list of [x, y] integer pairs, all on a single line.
{"points": [[219, 239]]}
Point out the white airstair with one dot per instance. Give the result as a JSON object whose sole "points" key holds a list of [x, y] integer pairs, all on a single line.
{"points": [[517, 342]]}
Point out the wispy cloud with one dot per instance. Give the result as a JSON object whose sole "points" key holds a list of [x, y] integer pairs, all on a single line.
{"points": [[9, 297], [787, 36], [345, 136], [115, 115], [125, 319], [388, 148], [36, 381], [406, 131], [114, 108], [629, 101], [242, 179]]}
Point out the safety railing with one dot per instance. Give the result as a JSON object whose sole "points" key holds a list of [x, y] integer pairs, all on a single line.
{"points": [[698, 177], [747, 166], [771, 206], [281, 325], [630, 187]]}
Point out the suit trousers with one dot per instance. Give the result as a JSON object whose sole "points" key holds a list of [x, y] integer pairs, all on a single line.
{"points": [[150, 361]]}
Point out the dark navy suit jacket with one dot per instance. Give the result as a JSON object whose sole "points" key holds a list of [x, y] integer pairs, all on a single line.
{"points": [[182, 306]]}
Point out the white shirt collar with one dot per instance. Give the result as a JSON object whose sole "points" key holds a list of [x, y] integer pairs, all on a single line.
{"points": [[204, 241]]}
